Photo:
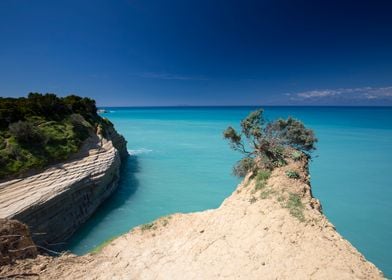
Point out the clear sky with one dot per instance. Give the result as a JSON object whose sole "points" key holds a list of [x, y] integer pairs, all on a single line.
{"points": [[199, 52]]}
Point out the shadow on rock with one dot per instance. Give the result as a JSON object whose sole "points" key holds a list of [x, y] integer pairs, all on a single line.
{"points": [[128, 185]]}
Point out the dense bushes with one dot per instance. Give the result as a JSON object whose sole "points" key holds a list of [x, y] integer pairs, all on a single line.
{"points": [[26, 133], [48, 106], [267, 145], [43, 129]]}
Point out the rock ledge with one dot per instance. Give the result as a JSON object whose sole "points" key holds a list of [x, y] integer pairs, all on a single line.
{"points": [[55, 202]]}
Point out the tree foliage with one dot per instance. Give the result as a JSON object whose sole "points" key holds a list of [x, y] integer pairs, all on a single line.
{"points": [[26, 133], [266, 143], [244, 166], [48, 106], [41, 129]]}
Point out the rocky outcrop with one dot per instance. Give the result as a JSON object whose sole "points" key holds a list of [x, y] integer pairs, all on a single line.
{"points": [[55, 202], [15, 242], [118, 141], [264, 230]]}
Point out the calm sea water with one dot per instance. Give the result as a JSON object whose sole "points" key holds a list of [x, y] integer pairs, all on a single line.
{"points": [[180, 163]]}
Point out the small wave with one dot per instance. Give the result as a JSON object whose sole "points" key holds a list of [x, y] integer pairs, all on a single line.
{"points": [[139, 151]]}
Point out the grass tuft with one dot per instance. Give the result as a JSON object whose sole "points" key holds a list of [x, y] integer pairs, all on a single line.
{"points": [[295, 206], [147, 226], [292, 174], [261, 179], [266, 193], [297, 155]]}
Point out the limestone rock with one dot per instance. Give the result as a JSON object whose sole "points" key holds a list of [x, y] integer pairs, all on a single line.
{"points": [[55, 202]]}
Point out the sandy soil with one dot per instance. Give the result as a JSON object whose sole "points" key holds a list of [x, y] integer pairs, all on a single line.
{"points": [[254, 234]]}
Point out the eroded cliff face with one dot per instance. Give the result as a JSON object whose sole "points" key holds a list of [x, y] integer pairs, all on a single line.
{"points": [[270, 230], [55, 202], [118, 141]]}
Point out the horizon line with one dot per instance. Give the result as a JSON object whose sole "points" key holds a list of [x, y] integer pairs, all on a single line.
{"points": [[234, 106]]}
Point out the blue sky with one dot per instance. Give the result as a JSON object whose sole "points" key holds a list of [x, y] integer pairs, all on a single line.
{"points": [[196, 52]]}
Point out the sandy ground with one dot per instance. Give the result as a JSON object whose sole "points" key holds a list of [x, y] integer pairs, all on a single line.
{"points": [[252, 235]]}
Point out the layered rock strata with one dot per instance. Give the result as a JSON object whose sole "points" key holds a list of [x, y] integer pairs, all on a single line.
{"points": [[55, 202]]}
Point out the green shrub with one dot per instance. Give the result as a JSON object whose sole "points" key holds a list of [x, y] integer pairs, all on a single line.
{"points": [[165, 222], [295, 206], [26, 133], [252, 200], [43, 129], [297, 155], [269, 141], [80, 126], [261, 179], [263, 175], [244, 166], [266, 193], [3, 143], [292, 174], [147, 226]]}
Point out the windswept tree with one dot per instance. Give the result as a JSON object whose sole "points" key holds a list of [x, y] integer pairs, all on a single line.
{"points": [[267, 144]]}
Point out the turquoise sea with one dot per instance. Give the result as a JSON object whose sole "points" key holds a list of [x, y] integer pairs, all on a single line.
{"points": [[180, 163]]}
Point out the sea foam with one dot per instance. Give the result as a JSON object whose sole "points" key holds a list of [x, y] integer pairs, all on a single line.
{"points": [[139, 151]]}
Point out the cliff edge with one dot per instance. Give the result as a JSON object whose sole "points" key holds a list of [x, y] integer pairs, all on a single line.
{"points": [[271, 229], [55, 202]]}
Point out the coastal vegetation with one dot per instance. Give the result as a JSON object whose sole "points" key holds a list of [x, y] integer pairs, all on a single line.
{"points": [[266, 145], [292, 174], [261, 179], [42, 129], [295, 206], [147, 226], [297, 155]]}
